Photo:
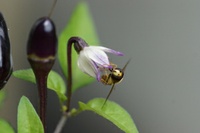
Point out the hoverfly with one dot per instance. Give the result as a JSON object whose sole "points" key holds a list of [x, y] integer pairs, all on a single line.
{"points": [[115, 76]]}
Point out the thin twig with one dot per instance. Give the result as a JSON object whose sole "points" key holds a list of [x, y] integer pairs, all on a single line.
{"points": [[61, 124]]}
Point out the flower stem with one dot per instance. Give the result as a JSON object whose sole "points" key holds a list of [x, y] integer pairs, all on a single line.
{"points": [[78, 44], [69, 81]]}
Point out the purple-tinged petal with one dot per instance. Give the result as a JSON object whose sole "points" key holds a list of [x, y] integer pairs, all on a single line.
{"points": [[98, 56], [108, 50], [98, 72]]}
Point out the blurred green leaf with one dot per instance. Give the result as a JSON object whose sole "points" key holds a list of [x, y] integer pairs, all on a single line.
{"points": [[27, 120], [2, 97], [80, 24], [5, 127], [112, 112], [54, 82]]}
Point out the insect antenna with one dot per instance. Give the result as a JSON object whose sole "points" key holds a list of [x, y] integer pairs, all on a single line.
{"points": [[108, 95], [123, 69], [52, 8]]}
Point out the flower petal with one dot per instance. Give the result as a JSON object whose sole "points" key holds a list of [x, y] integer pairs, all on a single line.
{"points": [[98, 56], [94, 61], [86, 66], [108, 50], [98, 72]]}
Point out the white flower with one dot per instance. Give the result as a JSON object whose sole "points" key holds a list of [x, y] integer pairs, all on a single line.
{"points": [[93, 59]]}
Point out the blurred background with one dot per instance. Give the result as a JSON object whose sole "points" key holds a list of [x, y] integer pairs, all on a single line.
{"points": [[161, 87]]}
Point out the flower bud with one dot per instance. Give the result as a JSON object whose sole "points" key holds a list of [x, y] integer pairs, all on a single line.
{"points": [[5, 55]]}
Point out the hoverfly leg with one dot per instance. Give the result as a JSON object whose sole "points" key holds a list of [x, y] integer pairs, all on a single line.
{"points": [[108, 95], [109, 76]]}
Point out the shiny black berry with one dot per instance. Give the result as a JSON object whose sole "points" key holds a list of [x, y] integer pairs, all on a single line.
{"points": [[42, 42]]}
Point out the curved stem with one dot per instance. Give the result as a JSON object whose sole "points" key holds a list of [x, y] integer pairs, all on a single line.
{"points": [[79, 44], [69, 81]]}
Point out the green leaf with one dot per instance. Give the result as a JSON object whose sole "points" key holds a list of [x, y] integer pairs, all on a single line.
{"points": [[2, 97], [112, 112], [80, 24], [27, 120], [5, 127], [54, 82]]}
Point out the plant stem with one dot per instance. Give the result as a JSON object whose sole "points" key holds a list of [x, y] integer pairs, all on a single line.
{"points": [[41, 71], [61, 123], [79, 44], [42, 91], [69, 81]]}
